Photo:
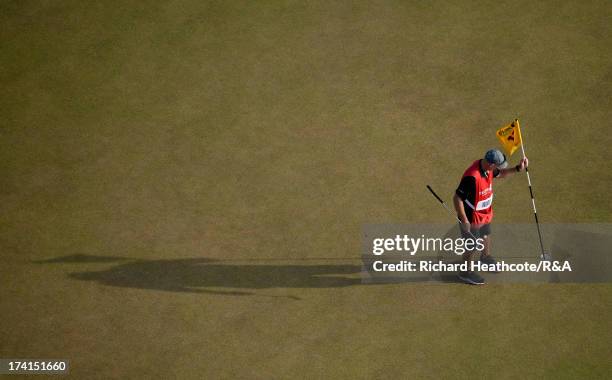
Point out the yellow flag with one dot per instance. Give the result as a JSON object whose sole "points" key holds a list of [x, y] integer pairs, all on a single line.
{"points": [[510, 137]]}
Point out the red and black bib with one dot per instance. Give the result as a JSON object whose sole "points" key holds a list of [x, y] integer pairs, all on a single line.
{"points": [[480, 203]]}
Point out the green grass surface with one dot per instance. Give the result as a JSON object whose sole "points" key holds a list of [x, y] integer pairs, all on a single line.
{"points": [[193, 135]]}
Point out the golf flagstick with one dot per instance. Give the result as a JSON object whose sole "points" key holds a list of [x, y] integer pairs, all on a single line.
{"points": [[544, 256], [447, 209]]}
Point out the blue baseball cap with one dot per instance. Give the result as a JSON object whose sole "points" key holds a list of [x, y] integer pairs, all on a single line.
{"points": [[495, 156]]}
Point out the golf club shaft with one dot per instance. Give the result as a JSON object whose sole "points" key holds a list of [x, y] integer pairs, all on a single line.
{"points": [[447, 209]]}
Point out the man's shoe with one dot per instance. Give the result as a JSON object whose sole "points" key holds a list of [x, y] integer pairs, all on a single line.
{"points": [[489, 260], [471, 278]]}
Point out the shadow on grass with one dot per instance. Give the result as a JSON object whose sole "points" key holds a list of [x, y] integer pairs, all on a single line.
{"points": [[588, 252], [203, 275], [81, 258]]}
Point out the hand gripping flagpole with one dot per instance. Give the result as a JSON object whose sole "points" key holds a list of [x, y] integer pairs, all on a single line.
{"points": [[544, 255]]}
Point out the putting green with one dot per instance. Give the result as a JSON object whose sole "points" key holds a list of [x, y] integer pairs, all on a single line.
{"points": [[184, 184]]}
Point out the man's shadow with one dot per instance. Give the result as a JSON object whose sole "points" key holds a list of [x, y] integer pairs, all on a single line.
{"points": [[588, 251], [201, 275]]}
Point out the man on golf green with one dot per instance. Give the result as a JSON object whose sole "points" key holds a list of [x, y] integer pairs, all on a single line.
{"points": [[473, 202]]}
